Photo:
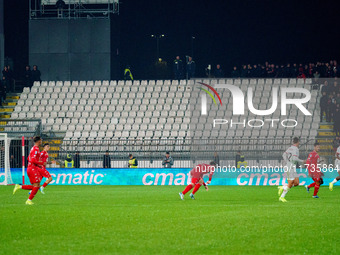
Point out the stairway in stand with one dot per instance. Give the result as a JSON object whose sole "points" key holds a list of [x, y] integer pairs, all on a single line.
{"points": [[7, 108], [325, 137], [55, 144]]}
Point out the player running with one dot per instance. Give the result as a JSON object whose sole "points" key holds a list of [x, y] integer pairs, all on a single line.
{"points": [[32, 171], [314, 171], [197, 174], [43, 172], [291, 158], [337, 166]]}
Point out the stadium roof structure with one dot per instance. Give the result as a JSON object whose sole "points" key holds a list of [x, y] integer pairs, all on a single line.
{"points": [[73, 9]]}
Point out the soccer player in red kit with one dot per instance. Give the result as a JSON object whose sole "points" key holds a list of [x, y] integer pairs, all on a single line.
{"points": [[197, 174], [43, 172], [32, 171], [314, 171]]}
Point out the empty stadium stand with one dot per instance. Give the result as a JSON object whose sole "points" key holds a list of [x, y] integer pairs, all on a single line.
{"points": [[142, 113]]}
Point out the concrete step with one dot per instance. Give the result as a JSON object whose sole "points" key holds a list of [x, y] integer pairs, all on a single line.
{"points": [[326, 147], [54, 146], [322, 153], [326, 126], [11, 100], [326, 133], [6, 109], [13, 94], [53, 155], [4, 119], [9, 104], [56, 141], [5, 116], [325, 130], [323, 140], [13, 97]]}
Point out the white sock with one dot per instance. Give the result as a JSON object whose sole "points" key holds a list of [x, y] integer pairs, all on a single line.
{"points": [[285, 191], [334, 181]]}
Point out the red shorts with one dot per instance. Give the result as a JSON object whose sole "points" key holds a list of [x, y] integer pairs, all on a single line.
{"points": [[316, 176], [195, 180], [316, 179], [34, 175], [44, 173]]}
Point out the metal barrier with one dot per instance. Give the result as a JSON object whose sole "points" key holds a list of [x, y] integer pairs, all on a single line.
{"points": [[15, 151], [20, 127], [185, 152]]}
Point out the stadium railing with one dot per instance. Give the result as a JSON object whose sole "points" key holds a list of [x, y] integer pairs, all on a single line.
{"points": [[185, 152], [21, 127]]}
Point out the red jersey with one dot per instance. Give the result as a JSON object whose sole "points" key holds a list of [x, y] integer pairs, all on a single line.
{"points": [[43, 157], [202, 169], [313, 162], [34, 157]]}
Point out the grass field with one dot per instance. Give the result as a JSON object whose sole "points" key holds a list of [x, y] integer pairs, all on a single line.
{"points": [[153, 220]]}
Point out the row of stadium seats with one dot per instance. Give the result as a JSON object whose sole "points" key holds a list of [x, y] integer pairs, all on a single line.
{"points": [[131, 98], [106, 95], [146, 115], [73, 135], [162, 124], [283, 81], [111, 93], [110, 83], [108, 114], [119, 90], [145, 106]]}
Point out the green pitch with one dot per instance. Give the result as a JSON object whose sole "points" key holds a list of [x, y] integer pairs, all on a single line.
{"points": [[153, 220]]}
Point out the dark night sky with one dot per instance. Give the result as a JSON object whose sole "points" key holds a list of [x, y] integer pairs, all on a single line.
{"points": [[227, 32]]}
